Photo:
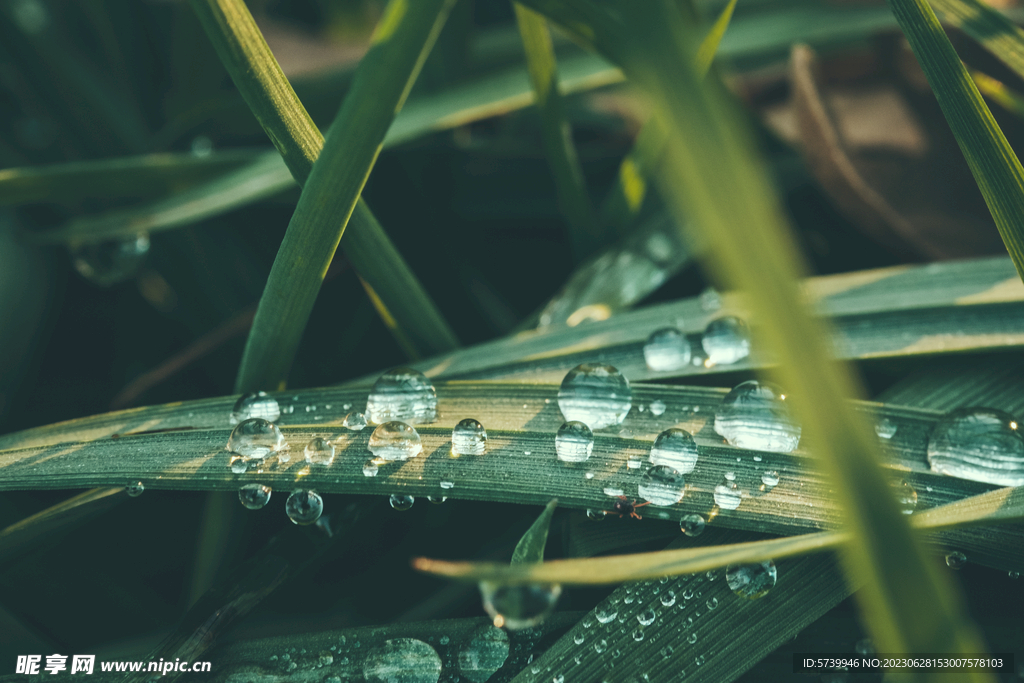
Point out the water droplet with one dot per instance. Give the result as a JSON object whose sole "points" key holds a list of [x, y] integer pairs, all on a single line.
{"points": [[519, 607], [595, 394], [600, 646], [447, 485], [395, 441], [770, 478], [436, 500], [692, 638], [469, 438], [662, 485], [692, 525], [319, 451], [402, 394], [675, 448], [589, 475], [239, 465], [254, 496], [354, 421], [658, 407], [730, 476], [304, 507], [596, 515], [370, 468], [1013, 574], [646, 618], [255, 404], [400, 502], [558, 678], [726, 341], [606, 615], [134, 489], [710, 299], [634, 462], [885, 428], [667, 349], [402, 660], [111, 261], [751, 581], [979, 444], [754, 415], [613, 491], [484, 654], [579, 638], [638, 635], [906, 496], [712, 603], [255, 438], [574, 442], [728, 495], [956, 559], [699, 659], [668, 598]]}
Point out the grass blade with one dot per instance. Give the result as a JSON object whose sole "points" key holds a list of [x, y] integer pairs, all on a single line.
{"points": [[988, 26], [995, 166], [530, 548]]}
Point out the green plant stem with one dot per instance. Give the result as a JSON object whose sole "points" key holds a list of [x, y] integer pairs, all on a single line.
{"points": [[400, 299]]}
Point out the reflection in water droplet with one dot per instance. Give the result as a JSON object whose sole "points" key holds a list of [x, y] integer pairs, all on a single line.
{"points": [[662, 485], [304, 507], [906, 496], [400, 502], [692, 525], [668, 598], [111, 261], [638, 635], [712, 603], [646, 618], [255, 404], [754, 415], [595, 394], [634, 462], [728, 495], [979, 444], [658, 408], [239, 465], [255, 438], [254, 496], [751, 581], [596, 515], [726, 341], [574, 442], [319, 451], [885, 428], [484, 654], [402, 394], [675, 448], [770, 478], [579, 638], [667, 349], [395, 441], [436, 500], [370, 468], [469, 438], [354, 421], [692, 638], [956, 559], [606, 615], [519, 607], [134, 489], [600, 646], [402, 660]]}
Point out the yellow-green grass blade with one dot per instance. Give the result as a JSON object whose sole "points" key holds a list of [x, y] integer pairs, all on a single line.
{"points": [[997, 91], [570, 185], [713, 178], [396, 293], [995, 166], [530, 548], [994, 31]]}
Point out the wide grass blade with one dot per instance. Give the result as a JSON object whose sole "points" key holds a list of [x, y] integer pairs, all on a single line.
{"points": [[992, 161]]}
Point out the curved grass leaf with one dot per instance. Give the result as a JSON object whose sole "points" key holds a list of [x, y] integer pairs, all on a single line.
{"points": [[531, 546]]}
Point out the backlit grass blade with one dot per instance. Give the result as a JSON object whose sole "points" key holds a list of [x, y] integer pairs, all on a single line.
{"points": [[570, 185], [992, 161], [530, 548], [988, 26], [397, 294]]}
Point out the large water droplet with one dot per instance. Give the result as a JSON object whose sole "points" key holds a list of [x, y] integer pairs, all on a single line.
{"points": [[402, 394], [254, 496], [402, 660], [595, 394], [319, 451], [956, 559], [675, 448], [726, 341], [662, 485], [518, 607], [135, 489], [754, 415], [469, 438], [751, 581], [692, 525], [728, 495], [304, 507], [574, 442], [400, 502], [485, 653], [255, 438], [395, 441], [255, 404], [354, 421], [980, 444], [667, 349], [112, 261]]}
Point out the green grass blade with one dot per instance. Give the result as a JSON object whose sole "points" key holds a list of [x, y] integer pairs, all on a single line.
{"points": [[396, 293], [570, 185], [992, 161], [988, 26], [530, 548]]}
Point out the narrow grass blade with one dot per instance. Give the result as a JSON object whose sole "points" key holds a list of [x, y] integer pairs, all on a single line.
{"points": [[570, 185], [988, 26], [997, 91], [15, 539], [995, 166], [530, 548]]}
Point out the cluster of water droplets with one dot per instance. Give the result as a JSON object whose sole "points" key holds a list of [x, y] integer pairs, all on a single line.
{"points": [[754, 415]]}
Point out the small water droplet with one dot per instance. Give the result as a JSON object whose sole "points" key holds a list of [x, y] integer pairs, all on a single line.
{"points": [[370, 468], [596, 515], [1013, 574], [730, 476], [885, 428], [395, 441], [754, 415], [436, 500], [606, 615], [956, 559], [579, 638], [519, 607], [600, 646], [574, 442], [239, 465], [447, 485], [728, 495], [402, 394], [400, 502], [613, 491], [634, 462], [484, 654], [589, 475], [254, 496], [692, 638], [668, 598], [751, 581], [304, 507], [255, 404], [255, 438], [595, 394], [402, 660], [469, 438], [558, 678], [906, 496], [675, 448], [726, 341], [658, 408], [111, 261], [667, 349], [979, 444], [712, 603], [319, 451], [662, 485], [692, 525], [638, 635], [134, 489], [354, 421], [770, 478], [646, 618]]}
